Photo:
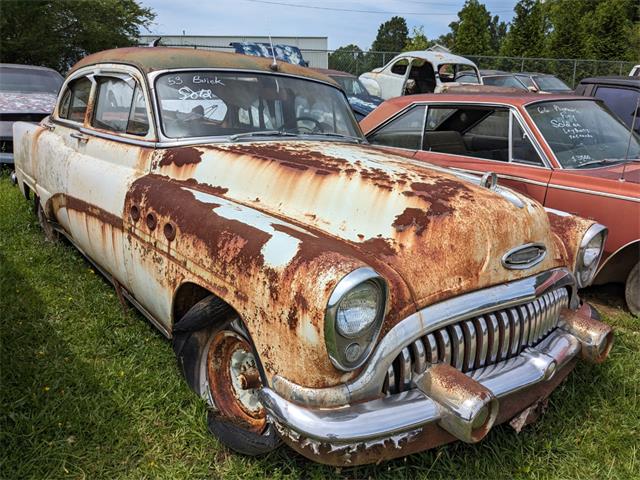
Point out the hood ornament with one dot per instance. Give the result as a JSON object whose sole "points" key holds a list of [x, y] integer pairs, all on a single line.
{"points": [[524, 256]]}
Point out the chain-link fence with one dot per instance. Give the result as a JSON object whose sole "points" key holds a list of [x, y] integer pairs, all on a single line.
{"points": [[358, 62]]}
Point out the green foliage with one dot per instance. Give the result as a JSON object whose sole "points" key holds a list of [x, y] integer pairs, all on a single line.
{"points": [[347, 58], [472, 31], [527, 31], [498, 32], [57, 33], [88, 389], [610, 29], [417, 41], [392, 36]]}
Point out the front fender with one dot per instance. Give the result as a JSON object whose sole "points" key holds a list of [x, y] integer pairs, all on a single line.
{"points": [[568, 231]]}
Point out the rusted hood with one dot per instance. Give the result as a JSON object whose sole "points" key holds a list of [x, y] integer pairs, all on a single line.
{"points": [[442, 235]]}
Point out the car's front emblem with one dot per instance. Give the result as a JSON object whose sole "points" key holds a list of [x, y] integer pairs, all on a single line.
{"points": [[524, 256]]}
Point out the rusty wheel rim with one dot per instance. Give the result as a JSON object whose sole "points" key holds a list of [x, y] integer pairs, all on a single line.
{"points": [[230, 361]]}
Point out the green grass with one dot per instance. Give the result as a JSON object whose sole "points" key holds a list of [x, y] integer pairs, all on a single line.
{"points": [[91, 390]]}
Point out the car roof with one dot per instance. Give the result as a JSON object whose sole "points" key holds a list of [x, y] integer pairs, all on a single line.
{"points": [[436, 57], [515, 98], [150, 59], [331, 72], [614, 80], [30, 67], [487, 73], [537, 74]]}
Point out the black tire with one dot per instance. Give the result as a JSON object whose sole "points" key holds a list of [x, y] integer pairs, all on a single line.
{"points": [[192, 337], [632, 290], [50, 233]]}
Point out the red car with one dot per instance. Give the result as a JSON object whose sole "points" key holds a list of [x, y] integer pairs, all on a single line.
{"points": [[569, 153]]}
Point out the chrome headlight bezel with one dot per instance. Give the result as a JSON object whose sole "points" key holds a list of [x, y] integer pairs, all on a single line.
{"points": [[337, 343], [585, 273]]}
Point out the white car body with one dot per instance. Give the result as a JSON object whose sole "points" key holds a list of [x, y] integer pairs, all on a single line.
{"points": [[391, 80]]}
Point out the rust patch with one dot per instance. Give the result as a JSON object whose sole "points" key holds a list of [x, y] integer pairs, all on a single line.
{"points": [[66, 201], [412, 218], [180, 157]]}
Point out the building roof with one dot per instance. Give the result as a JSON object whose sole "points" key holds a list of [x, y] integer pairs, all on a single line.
{"points": [[149, 59]]}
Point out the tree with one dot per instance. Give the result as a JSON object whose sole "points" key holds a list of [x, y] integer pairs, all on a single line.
{"points": [[527, 32], [498, 32], [472, 31], [392, 36], [348, 58], [567, 36], [610, 29], [417, 41], [57, 33]]}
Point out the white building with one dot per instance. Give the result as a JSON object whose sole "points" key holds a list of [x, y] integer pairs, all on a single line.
{"points": [[314, 49]]}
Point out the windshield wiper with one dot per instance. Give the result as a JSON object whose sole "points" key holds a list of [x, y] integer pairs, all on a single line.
{"points": [[603, 161], [263, 133], [338, 135]]}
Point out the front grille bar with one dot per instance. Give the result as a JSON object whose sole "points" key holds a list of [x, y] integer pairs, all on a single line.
{"points": [[480, 341]]}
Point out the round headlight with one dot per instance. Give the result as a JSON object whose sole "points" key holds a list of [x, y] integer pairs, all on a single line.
{"points": [[354, 316], [589, 255], [358, 309]]}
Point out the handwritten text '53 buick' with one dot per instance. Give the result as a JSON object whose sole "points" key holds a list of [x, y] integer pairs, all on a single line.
{"points": [[355, 304]]}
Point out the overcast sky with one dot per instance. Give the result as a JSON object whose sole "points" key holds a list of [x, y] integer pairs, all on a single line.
{"points": [[265, 17]]}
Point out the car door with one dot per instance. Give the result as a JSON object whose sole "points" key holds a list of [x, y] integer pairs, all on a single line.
{"points": [[482, 138], [111, 150], [393, 78]]}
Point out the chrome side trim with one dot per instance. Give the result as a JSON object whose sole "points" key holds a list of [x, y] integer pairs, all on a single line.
{"points": [[368, 383], [592, 192], [384, 417]]}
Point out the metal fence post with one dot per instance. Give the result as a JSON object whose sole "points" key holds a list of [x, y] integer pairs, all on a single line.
{"points": [[573, 79], [522, 65]]}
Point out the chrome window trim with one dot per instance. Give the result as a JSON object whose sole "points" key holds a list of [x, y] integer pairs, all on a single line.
{"points": [[367, 383], [152, 77], [516, 112]]}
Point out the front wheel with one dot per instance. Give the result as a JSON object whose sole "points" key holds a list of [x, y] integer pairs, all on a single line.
{"points": [[632, 290], [220, 364]]}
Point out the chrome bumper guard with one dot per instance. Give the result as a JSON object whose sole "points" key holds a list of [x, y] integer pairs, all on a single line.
{"points": [[414, 409], [465, 405]]}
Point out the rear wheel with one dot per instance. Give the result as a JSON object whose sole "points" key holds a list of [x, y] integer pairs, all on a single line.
{"points": [[220, 364], [632, 290]]}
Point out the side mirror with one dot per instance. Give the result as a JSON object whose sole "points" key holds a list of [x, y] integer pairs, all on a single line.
{"points": [[531, 88]]}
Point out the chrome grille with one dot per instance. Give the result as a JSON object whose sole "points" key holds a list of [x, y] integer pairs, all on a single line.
{"points": [[480, 341]]}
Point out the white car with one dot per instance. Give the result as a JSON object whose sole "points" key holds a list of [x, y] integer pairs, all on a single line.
{"points": [[419, 72], [635, 71]]}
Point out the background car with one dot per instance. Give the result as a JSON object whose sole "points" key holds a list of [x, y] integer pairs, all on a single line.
{"points": [[285, 53], [361, 101], [621, 94], [417, 72], [27, 94], [543, 82], [635, 71], [499, 78], [569, 153]]}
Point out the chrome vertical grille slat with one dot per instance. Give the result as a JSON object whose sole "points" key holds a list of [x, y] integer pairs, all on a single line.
{"points": [[480, 341]]}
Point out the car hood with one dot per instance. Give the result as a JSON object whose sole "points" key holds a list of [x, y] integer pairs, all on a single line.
{"points": [[13, 102], [364, 105], [442, 234]]}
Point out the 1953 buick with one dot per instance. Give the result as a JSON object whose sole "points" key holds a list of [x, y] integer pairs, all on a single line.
{"points": [[356, 304]]}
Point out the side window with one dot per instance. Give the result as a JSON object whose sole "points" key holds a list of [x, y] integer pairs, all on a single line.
{"points": [[400, 67], [523, 150], [403, 132], [526, 80], [494, 125], [120, 106], [622, 101], [73, 104]]}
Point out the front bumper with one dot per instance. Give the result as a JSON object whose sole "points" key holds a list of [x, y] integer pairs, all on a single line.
{"points": [[429, 415]]}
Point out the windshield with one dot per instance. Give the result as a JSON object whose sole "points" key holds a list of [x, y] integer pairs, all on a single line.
{"points": [[504, 81], [208, 103], [29, 80], [351, 86], [551, 84], [584, 133]]}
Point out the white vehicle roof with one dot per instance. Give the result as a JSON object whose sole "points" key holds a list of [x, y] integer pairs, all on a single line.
{"points": [[434, 57]]}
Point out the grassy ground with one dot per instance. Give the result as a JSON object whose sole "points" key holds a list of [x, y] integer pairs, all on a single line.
{"points": [[89, 390]]}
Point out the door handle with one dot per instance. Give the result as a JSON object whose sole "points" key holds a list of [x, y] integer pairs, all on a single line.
{"points": [[80, 137], [48, 125]]}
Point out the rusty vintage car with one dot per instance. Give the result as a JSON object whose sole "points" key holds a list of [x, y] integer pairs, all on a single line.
{"points": [[567, 152], [355, 304]]}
